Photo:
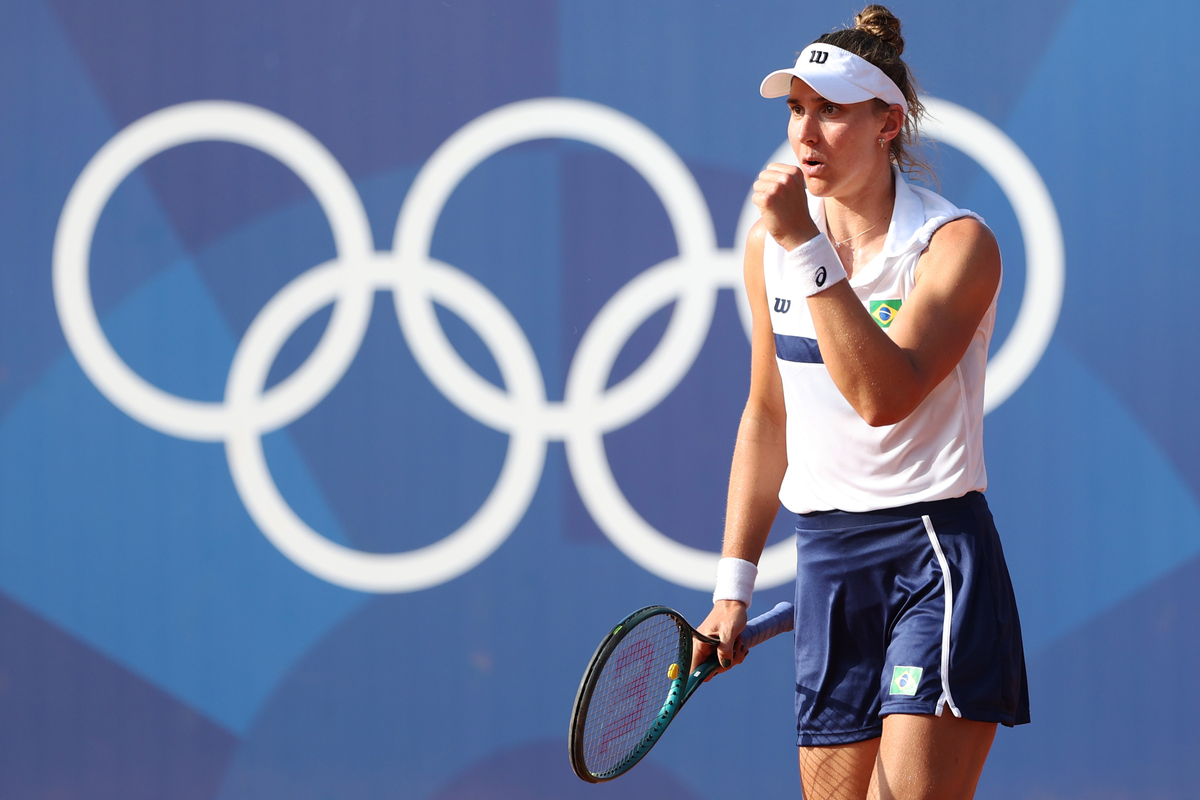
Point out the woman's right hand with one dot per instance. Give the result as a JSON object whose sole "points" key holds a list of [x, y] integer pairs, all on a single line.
{"points": [[782, 200], [725, 622]]}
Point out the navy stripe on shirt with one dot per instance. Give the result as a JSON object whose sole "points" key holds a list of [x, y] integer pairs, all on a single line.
{"points": [[800, 349]]}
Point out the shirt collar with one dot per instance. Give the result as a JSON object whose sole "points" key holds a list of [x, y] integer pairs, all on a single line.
{"points": [[904, 228]]}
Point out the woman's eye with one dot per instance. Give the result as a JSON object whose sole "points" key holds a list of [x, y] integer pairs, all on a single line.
{"points": [[830, 109]]}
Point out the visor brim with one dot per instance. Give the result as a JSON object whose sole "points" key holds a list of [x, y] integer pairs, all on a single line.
{"points": [[831, 87]]}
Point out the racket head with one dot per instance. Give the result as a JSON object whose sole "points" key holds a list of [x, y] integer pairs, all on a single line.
{"points": [[630, 692]]}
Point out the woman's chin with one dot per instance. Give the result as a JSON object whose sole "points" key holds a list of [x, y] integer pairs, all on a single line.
{"points": [[817, 187]]}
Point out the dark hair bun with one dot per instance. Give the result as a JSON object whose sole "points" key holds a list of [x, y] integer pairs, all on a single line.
{"points": [[882, 24]]}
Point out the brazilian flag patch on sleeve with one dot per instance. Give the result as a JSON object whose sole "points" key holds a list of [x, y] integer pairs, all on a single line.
{"points": [[884, 311]]}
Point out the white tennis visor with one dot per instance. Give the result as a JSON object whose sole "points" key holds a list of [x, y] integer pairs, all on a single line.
{"points": [[837, 75]]}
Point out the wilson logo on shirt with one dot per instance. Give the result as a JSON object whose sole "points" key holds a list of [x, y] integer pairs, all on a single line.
{"points": [[905, 680], [884, 311], [782, 305]]}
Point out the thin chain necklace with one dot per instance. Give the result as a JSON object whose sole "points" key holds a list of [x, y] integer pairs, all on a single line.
{"points": [[861, 233]]}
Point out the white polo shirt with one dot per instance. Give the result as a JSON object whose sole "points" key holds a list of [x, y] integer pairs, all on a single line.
{"points": [[835, 459]]}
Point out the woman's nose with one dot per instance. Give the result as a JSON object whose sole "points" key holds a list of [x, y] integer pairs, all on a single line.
{"points": [[807, 130]]}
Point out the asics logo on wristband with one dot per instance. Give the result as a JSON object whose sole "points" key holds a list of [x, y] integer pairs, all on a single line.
{"points": [[590, 407], [821, 275]]}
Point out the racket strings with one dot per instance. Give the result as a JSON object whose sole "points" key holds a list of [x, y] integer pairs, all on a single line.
{"points": [[631, 690]]}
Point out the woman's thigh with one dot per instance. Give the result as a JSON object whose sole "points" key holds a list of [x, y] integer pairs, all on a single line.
{"points": [[838, 772], [923, 757], [919, 757]]}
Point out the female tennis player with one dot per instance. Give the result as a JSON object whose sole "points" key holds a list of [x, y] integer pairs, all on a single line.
{"points": [[873, 303]]}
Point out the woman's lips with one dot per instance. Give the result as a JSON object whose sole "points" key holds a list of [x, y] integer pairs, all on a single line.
{"points": [[812, 167]]}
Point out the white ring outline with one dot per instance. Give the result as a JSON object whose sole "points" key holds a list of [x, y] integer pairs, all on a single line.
{"points": [[134, 145], [642, 149], [423, 567], [589, 409], [1045, 259]]}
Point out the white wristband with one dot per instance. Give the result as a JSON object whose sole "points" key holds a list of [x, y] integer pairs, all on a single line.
{"points": [[813, 266], [735, 580]]}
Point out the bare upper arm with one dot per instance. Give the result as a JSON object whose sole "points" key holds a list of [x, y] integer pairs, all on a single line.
{"points": [[956, 280], [766, 386]]}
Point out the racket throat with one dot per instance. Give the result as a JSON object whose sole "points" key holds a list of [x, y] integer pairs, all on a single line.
{"points": [[698, 676]]}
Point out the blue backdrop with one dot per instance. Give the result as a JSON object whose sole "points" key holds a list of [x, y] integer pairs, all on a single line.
{"points": [[171, 626]]}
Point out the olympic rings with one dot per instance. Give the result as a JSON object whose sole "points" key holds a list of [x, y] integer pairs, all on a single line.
{"points": [[589, 409]]}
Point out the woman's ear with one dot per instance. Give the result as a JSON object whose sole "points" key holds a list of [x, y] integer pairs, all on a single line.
{"points": [[893, 123]]}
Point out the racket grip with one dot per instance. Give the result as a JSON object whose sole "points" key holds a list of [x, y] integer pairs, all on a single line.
{"points": [[779, 619]]}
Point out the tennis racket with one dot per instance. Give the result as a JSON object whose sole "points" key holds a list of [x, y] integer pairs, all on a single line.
{"points": [[638, 681]]}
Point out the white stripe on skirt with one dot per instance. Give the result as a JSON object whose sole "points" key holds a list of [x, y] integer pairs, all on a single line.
{"points": [[946, 698]]}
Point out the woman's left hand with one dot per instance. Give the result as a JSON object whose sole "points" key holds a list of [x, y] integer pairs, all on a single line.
{"points": [[782, 200]]}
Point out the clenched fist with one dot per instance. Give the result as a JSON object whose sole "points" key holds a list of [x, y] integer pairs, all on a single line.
{"points": [[782, 201]]}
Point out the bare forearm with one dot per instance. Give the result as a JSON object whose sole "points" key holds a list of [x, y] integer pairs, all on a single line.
{"points": [[872, 372], [885, 375], [759, 462]]}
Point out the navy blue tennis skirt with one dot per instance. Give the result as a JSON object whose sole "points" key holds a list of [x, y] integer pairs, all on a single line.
{"points": [[880, 630]]}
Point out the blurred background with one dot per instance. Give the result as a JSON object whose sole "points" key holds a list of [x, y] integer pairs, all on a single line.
{"points": [[199, 596]]}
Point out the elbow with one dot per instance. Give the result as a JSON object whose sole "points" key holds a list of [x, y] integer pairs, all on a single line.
{"points": [[877, 418], [883, 402], [878, 413]]}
